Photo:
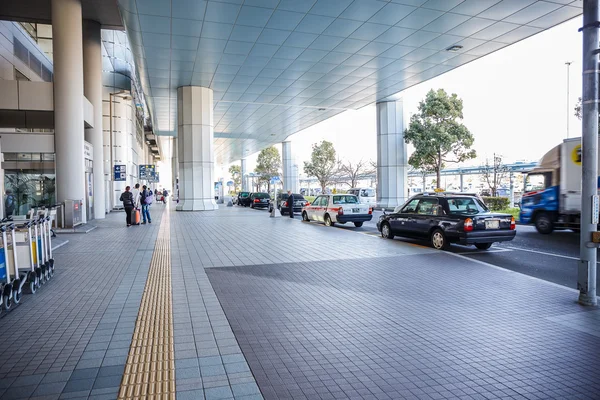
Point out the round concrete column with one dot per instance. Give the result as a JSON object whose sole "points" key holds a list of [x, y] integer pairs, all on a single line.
{"points": [[92, 75], [391, 154], [68, 100], [196, 152], [174, 164], [290, 169], [244, 178]]}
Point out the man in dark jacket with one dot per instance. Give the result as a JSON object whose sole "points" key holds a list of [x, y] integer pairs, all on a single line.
{"points": [[290, 203], [128, 204]]}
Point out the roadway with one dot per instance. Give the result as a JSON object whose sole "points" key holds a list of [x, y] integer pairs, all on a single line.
{"points": [[550, 257]]}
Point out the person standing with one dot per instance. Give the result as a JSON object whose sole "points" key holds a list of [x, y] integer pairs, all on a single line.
{"points": [[146, 199], [9, 203], [290, 202], [165, 194], [128, 204]]}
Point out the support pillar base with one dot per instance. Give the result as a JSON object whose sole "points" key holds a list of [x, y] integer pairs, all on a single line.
{"points": [[196, 205]]}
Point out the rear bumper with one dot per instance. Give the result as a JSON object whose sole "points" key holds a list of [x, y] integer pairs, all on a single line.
{"points": [[354, 218], [260, 205], [486, 236]]}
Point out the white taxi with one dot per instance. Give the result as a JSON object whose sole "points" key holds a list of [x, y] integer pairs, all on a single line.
{"points": [[337, 208]]}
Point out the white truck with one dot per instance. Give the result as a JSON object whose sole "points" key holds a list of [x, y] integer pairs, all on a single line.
{"points": [[552, 194]]}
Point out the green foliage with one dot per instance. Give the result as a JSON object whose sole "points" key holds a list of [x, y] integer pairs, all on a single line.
{"points": [[512, 211], [268, 165], [323, 164], [496, 203], [236, 175], [437, 133]]}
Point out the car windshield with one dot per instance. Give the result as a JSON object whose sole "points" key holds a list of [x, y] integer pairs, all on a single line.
{"points": [[261, 195], [466, 205], [535, 182], [367, 193], [244, 194], [346, 199]]}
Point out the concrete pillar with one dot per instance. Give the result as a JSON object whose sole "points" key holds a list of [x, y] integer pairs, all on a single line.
{"points": [[391, 154], [462, 186], [290, 169], [68, 100], [196, 152], [92, 75], [174, 164], [243, 172], [587, 268]]}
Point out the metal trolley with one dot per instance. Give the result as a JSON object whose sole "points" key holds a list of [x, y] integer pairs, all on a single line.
{"points": [[23, 254], [15, 279]]}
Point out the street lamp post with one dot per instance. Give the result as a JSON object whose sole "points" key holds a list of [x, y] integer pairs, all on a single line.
{"points": [[125, 95], [568, 64]]}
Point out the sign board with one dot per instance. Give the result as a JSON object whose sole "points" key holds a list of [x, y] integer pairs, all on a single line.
{"points": [[88, 151], [147, 172], [230, 183], [120, 173], [274, 179]]}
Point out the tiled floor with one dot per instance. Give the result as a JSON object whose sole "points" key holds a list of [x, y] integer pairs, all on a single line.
{"points": [[277, 308]]}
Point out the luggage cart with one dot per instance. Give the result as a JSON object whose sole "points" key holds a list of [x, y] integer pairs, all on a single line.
{"points": [[15, 279], [9, 287], [21, 254], [36, 244], [46, 232]]}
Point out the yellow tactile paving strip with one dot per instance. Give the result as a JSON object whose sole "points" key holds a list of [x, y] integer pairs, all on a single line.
{"points": [[150, 369]]}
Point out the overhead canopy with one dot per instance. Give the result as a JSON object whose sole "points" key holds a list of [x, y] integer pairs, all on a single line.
{"points": [[279, 66]]}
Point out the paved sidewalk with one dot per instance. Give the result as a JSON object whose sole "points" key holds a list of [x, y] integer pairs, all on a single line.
{"points": [[70, 339], [276, 308]]}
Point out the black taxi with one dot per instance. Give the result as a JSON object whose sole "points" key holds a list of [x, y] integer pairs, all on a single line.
{"points": [[445, 218]]}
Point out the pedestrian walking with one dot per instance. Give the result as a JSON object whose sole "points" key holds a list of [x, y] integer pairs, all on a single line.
{"points": [[165, 194], [146, 198], [290, 202], [9, 203], [128, 204]]}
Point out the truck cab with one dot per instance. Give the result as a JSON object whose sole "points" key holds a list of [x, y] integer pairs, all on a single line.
{"points": [[552, 193]]}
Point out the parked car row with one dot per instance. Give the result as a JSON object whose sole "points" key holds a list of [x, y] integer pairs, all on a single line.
{"points": [[253, 200], [440, 218]]}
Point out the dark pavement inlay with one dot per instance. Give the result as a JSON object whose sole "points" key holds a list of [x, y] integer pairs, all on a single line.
{"points": [[422, 326]]}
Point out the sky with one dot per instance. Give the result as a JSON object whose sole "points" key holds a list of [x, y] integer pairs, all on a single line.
{"points": [[515, 103]]}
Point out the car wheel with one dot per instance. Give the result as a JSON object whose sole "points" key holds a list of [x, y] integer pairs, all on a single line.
{"points": [[358, 224], [328, 221], [544, 224], [483, 246], [386, 231], [438, 240], [305, 217]]}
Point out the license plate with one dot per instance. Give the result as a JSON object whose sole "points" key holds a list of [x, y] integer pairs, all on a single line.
{"points": [[356, 210], [492, 224]]}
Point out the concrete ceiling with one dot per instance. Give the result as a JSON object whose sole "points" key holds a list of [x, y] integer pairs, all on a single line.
{"points": [[104, 11], [280, 66]]}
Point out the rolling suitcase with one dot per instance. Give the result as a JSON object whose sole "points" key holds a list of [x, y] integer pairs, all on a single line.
{"points": [[135, 217]]}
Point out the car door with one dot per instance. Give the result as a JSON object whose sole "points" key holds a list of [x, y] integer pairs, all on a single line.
{"points": [[320, 211], [401, 222], [312, 209], [426, 216]]}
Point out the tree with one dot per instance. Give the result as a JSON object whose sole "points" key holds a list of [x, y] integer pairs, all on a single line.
{"points": [[268, 165], [322, 165], [353, 172], [437, 133], [494, 173], [236, 175]]}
